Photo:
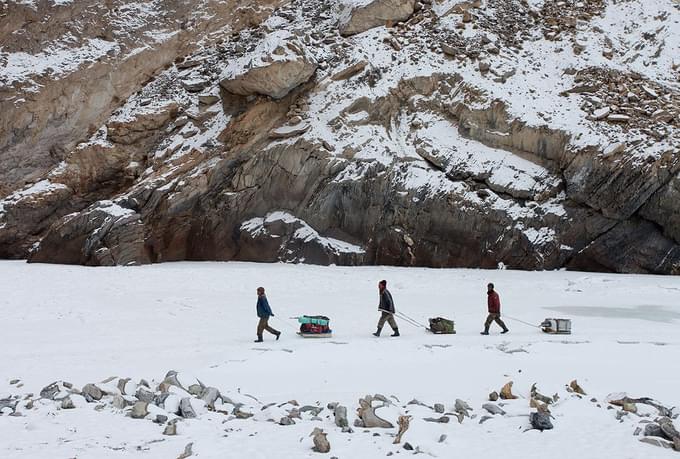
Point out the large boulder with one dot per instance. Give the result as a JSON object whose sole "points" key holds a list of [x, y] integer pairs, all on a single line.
{"points": [[279, 64], [361, 15]]}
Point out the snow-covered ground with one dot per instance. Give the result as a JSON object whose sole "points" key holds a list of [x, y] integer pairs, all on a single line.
{"points": [[85, 324]]}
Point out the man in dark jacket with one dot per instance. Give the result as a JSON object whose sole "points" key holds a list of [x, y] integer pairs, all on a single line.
{"points": [[494, 305], [386, 307], [264, 312]]}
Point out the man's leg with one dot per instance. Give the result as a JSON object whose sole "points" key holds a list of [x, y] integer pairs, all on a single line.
{"points": [[260, 328], [487, 323], [270, 329], [501, 323], [393, 324], [381, 323]]}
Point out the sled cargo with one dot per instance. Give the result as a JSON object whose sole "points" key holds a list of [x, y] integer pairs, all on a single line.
{"points": [[314, 327], [442, 326], [556, 326]]}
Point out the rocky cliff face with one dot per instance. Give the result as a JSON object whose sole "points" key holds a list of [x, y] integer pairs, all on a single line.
{"points": [[536, 134]]}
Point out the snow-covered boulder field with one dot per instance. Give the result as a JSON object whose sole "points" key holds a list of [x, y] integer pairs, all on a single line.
{"points": [[158, 361]]}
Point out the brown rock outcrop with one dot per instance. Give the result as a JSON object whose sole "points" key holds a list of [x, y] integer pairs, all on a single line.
{"points": [[375, 13]]}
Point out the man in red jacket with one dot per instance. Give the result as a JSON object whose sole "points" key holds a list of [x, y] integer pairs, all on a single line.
{"points": [[494, 304]]}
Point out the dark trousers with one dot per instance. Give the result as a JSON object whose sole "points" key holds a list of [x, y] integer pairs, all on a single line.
{"points": [[263, 325], [492, 317], [389, 318]]}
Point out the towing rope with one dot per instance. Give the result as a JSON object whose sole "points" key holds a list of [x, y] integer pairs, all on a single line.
{"points": [[409, 320], [521, 321]]}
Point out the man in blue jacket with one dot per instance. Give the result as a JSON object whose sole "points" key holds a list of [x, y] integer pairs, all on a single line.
{"points": [[264, 312]]}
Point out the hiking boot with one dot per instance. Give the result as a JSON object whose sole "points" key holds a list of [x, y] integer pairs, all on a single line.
{"points": [[484, 333], [259, 339], [504, 331], [277, 335], [377, 333], [396, 333]]}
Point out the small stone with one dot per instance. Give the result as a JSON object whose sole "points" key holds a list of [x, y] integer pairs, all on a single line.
{"points": [[407, 446], [441, 420], [485, 418], [540, 421], [493, 396], [208, 99], [321, 444], [630, 407], [161, 419], [295, 120], [601, 113], [286, 421], [340, 414], [314, 410], [442, 438], [617, 118], [145, 395], [14, 381], [188, 451], [462, 407], [170, 429], [493, 409], [139, 410], [439, 408], [119, 402], [67, 404], [186, 409], [91, 392]]}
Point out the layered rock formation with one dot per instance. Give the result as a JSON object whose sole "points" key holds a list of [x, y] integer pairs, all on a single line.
{"points": [[448, 134]]}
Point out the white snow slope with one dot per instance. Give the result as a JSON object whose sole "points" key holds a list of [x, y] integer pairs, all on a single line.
{"points": [[85, 324]]}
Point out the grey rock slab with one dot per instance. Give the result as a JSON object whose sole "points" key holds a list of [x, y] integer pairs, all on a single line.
{"points": [[441, 420], [493, 409], [186, 410], [91, 392], [139, 410], [67, 404], [340, 414], [540, 421]]}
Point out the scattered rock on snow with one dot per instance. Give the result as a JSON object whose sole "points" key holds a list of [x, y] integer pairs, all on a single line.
{"points": [[540, 421], [145, 395], [350, 71], [367, 414], [462, 407], [286, 421], [210, 396], [493, 409], [441, 419], [321, 444], [506, 392], [404, 422], [139, 410], [574, 387], [188, 451], [119, 402], [67, 403], [170, 429], [186, 409], [340, 414]]}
